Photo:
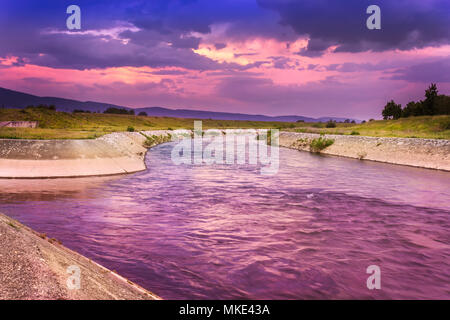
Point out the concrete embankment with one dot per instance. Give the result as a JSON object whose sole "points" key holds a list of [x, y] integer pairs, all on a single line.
{"points": [[114, 153], [425, 153], [124, 152], [35, 267]]}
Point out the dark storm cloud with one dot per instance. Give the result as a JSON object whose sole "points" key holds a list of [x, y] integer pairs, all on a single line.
{"points": [[165, 38], [405, 24], [435, 71], [220, 46]]}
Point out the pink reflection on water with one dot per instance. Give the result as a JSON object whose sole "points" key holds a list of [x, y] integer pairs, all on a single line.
{"points": [[227, 232]]}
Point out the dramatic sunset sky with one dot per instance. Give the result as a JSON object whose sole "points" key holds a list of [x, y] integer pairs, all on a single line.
{"points": [[274, 57]]}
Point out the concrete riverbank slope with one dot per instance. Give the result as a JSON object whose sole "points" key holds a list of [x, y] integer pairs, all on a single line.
{"points": [[120, 153], [115, 153], [33, 267], [425, 153]]}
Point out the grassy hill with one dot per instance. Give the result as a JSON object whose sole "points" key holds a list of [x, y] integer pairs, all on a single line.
{"points": [[62, 125]]}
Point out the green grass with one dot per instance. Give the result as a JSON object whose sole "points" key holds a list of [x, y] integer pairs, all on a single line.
{"points": [[318, 144], [12, 225], [154, 140], [431, 127], [63, 125]]}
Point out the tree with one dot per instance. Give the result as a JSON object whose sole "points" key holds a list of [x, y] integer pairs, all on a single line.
{"points": [[429, 105], [412, 109], [142, 113], [392, 111]]}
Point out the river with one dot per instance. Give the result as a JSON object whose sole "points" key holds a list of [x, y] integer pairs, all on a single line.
{"points": [[228, 232]]}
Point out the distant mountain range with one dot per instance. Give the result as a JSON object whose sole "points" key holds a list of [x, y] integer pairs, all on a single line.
{"points": [[16, 99]]}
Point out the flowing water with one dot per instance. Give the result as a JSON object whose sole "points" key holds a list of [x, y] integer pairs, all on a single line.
{"points": [[227, 232]]}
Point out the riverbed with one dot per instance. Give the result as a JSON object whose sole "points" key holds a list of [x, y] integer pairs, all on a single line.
{"points": [[228, 232]]}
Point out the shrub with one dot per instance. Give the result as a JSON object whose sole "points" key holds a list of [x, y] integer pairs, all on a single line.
{"points": [[331, 124], [155, 140], [142, 113], [445, 124], [130, 129], [113, 110], [362, 155], [354, 133], [320, 143]]}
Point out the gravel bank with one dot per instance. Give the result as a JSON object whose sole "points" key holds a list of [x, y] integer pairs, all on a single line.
{"points": [[425, 153], [35, 267]]}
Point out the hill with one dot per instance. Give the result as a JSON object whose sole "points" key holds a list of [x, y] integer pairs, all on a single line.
{"points": [[16, 99]]}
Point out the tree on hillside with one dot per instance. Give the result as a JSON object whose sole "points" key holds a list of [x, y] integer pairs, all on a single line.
{"points": [[412, 109], [392, 110], [429, 104], [434, 104], [142, 113], [442, 105]]}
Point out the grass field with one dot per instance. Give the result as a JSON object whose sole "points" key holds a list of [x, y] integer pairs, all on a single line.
{"points": [[432, 127], [62, 125]]}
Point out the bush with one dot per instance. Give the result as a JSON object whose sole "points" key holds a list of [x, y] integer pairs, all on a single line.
{"points": [[142, 113], [445, 124], [154, 140], [130, 129], [320, 143], [392, 111], [354, 133], [331, 124], [80, 111]]}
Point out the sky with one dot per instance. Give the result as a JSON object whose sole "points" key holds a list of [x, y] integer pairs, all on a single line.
{"points": [[275, 57]]}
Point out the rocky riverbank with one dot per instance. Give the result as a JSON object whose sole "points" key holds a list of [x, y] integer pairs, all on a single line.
{"points": [[35, 267], [425, 153]]}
